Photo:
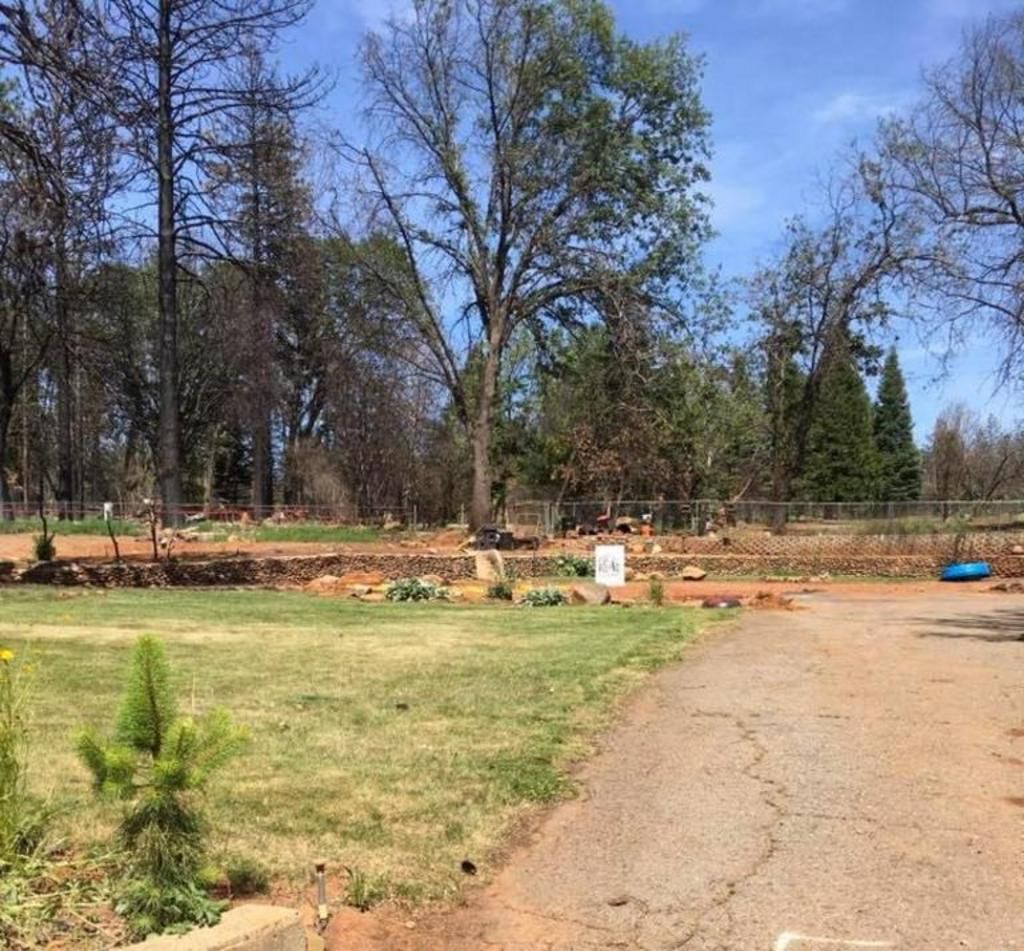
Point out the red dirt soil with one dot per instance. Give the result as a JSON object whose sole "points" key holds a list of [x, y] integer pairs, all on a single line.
{"points": [[99, 548]]}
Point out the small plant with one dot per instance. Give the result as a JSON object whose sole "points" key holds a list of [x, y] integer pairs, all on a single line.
{"points": [[573, 566], [543, 598], [363, 891], [159, 763], [502, 590], [43, 547], [415, 589], [246, 876], [21, 821], [656, 592]]}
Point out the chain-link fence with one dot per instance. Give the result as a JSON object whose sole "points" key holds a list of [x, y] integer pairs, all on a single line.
{"points": [[700, 516], [406, 516]]}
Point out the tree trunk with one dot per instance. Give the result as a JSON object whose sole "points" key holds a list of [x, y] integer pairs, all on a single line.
{"points": [[262, 444], [169, 462], [262, 473], [65, 390], [480, 507], [210, 475], [481, 511], [6, 508]]}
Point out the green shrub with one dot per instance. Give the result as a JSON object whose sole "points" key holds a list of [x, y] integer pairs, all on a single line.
{"points": [[543, 598], [363, 890], [501, 591], [246, 876], [573, 566], [158, 764], [656, 591], [415, 589], [23, 821], [44, 548]]}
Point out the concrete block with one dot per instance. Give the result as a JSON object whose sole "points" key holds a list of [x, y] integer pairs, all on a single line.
{"points": [[245, 928]]}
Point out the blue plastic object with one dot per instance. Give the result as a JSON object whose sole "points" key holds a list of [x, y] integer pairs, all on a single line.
{"points": [[967, 571]]}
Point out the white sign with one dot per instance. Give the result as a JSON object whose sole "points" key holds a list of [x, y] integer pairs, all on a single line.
{"points": [[610, 565], [108, 511]]}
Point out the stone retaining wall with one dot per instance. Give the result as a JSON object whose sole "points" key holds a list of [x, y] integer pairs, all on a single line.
{"points": [[245, 928], [298, 570], [968, 546]]}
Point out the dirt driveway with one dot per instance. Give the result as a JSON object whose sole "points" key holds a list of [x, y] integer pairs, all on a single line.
{"points": [[850, 775]]}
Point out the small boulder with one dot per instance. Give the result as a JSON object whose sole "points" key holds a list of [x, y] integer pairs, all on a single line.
{"points": [[436, 580], [370, 578], [359, 590], [693, 573], [1017, 550], [721, 601], [325, 584], [586, 593], [489, 566]]}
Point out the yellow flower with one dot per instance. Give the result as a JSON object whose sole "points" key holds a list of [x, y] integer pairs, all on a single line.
{"points": [[6, 655]]}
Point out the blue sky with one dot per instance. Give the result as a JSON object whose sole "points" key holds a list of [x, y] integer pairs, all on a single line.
{"points": [[789, 83]]}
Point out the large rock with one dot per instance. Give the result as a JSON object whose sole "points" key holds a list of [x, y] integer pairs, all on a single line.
{"points": [[490, 566], [693, 573], [585, 593], [370, 578], [325, 584]]}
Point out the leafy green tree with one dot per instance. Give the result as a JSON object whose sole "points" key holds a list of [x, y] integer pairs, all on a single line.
{"points": [[537, 169], [159, 763], [899, 462], [841, 462]]}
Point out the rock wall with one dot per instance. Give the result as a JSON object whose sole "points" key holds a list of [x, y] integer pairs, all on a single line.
{"points": [[298, 570], [942, 546]]}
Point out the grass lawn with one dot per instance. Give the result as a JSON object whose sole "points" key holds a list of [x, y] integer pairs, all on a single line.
{"points": [[395, 740], [86, 526], [315, 532]]}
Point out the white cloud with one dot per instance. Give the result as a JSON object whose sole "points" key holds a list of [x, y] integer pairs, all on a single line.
{"points": [[852, 106]]}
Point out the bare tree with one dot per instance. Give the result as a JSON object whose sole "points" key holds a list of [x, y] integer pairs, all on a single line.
{"points": [[258, 188], [534, 167], [166, 81], [26, 305], [973, 459], [957, 167], [67, 143]]}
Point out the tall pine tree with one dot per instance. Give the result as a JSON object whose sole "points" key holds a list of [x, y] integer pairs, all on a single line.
{"points": [[899, 462], [257, 187], [841, 462]]}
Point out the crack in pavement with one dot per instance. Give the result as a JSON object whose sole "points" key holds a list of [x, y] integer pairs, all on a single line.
{"points": [[771, 790]]}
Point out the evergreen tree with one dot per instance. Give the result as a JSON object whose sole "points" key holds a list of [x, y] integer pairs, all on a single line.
{"points": [[257, 186], [158, 764], [899, 463], [841, 462]]}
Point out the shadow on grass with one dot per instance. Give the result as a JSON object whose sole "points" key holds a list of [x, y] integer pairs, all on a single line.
{"points": [[1005, 625]]}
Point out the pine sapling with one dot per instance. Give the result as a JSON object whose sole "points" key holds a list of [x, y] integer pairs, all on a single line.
{"points": [[159, 764]]}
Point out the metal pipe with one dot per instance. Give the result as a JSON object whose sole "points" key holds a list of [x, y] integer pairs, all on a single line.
{"points": [[321, 896]]}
